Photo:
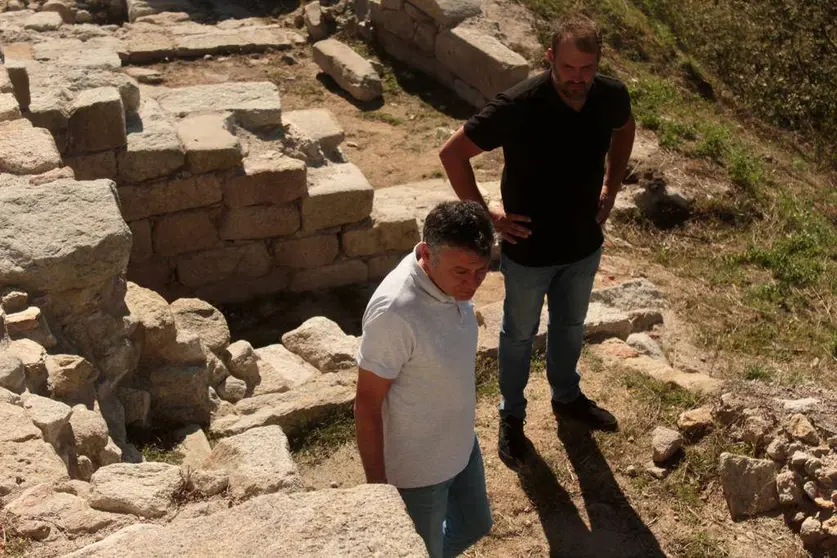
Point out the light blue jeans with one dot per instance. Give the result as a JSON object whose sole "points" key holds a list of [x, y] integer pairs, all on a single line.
{"points": [[567, 289], [454, 514]]}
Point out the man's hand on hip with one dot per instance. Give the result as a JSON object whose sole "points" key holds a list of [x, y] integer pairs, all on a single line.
{"points": [[508, 224], [606, 201]]}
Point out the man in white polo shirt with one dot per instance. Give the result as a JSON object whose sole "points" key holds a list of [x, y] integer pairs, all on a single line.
{"points": [[416, 394]]}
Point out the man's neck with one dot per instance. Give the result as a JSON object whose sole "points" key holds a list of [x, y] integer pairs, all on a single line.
{"points": [[425, 266]]}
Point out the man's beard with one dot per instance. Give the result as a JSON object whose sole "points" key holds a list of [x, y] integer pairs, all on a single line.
{"points": [[574, 90]]}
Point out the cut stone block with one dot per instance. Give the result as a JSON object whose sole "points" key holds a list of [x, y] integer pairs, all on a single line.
{"points": [[313, 17], [337, 195], [161, 198], [480, 60], [604, 321], [311, 252], [394, 228], [209, 143], [255, 105], [350, 70], [266, 179], [203, 268], [61, 236], [9, 109], [26, 150], [259, 221], [335, 275], [92, 167], [449, 13], [97, 121], [43, 21], [184, 232], [238, 41], [148, 46], [319, 125], [154, 149], [94, 53]]}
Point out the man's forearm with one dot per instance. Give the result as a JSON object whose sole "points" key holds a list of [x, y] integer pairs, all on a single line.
{"points": [[369, 428], [621, 145], [462, 179]]}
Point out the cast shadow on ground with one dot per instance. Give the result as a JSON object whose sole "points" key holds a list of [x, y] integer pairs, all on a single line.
{"points": [[616, 530]]}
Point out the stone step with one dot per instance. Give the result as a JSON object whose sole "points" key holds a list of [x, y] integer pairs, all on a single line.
{"points": [[337, 195], [255, 105], [25, 149]]}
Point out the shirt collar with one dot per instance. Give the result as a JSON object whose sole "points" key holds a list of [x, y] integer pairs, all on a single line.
{"points": [[425, 282]]}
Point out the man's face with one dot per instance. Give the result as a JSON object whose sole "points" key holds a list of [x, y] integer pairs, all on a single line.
{"points": [[458, 272], [573, 69]]}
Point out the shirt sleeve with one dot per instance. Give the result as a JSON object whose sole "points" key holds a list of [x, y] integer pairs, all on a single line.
{"points": [[621, 106], [386, 345], [494, 125]]}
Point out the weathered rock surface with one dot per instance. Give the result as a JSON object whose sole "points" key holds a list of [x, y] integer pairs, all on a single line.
{"points": [[666, 443], [292, 410], [154, 318], [258, 462], [61, 236], [204, 320], [361, 521], [749, 485], [144, 489], [12, 372], [90, 431], [25, 464], [350, 70], [242, 362], [66, 513], [285, 370], [71, 379], [696, 422], [25, 149], [322, 343], [50, 416]]}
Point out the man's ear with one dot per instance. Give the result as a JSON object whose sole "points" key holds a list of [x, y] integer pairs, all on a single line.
{"points": [[550, 56], [424, 251]]}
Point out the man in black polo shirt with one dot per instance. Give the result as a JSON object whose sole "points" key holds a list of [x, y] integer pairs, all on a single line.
{"points": [[566, 135]]}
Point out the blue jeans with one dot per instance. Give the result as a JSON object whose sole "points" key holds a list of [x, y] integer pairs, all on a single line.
{"points": [[454, 514], [567, 289]]}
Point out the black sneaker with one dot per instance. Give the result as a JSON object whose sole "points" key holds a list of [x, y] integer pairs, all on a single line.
{"points": [[586, 411], [512, 445]]}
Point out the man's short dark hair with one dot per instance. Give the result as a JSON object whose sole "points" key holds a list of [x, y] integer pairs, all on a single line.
{"points": [[460, 224], [582, 30]]}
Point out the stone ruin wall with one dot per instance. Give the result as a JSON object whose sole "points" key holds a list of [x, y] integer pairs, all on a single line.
{"points": [[427, 36], [227, 205]]}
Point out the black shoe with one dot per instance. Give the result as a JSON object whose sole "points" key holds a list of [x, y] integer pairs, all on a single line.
{"points": [[586, 411], [512, 445]]}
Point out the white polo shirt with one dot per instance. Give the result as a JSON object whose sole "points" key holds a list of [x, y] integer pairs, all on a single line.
{"points": [[426, 341]]}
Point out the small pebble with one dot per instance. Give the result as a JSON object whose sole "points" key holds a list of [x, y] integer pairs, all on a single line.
{"points": [[351, 144], [334, 484]]}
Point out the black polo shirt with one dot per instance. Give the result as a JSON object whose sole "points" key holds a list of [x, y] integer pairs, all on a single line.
{"points": [[554, 163]]}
